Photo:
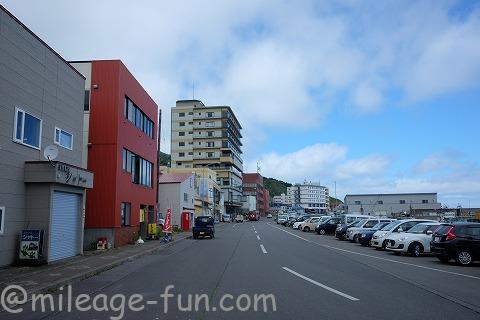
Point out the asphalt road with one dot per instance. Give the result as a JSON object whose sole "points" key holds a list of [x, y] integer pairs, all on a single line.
{"points": [[309, 276]]}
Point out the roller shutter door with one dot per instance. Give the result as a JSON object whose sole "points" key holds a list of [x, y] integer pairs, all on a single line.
{"points": [[65, 222]]}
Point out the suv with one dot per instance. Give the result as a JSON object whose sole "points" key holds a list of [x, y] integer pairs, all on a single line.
{"points": [[204, 227], [459, 241]]}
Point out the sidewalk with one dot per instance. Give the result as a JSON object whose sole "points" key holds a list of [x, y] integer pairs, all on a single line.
{"points": [[45, 277]]}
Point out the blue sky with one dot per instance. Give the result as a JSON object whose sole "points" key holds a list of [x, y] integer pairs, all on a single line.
{"points": [[379, 96]]}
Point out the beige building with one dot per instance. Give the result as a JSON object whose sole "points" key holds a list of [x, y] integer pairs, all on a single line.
{"points": [[209, 137], [207, 191]]}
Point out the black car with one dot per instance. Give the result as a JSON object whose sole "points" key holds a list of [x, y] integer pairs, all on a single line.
{"points": [[341, 231], [365, 236], [459, 241], [328, 226], [204, 227]]}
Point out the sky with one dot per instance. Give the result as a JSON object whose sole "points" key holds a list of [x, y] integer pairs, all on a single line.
{"points": [[373, 96]]}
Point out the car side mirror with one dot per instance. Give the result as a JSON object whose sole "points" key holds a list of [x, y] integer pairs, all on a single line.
{"points": [[429, 232]]}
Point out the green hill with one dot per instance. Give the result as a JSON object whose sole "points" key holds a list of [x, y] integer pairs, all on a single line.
{"points": [[276, 187], [164, 159]]}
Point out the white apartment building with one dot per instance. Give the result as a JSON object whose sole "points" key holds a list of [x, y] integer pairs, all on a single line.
{"points": [[209, 137], [310, 196]]}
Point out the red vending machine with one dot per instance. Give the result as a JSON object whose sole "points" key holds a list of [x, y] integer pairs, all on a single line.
{"points": [[185, 221]]}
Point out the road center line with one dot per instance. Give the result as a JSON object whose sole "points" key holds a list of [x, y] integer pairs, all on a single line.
{"points": [[379, 258], [263, 248], [258, 237], [321, 285], [255, 231]]}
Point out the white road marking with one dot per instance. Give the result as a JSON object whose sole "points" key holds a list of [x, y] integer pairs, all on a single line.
{"points": [[380, 258], [258, 237], [263, 248], [235, 225], [321, 285], [255, 231]]}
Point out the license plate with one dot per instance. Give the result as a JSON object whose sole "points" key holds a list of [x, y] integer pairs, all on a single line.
{"points": [[202, 232]]}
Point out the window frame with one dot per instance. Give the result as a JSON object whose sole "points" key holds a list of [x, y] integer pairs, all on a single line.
{"points": [[22, 133], [2, 221], [123, 217], [60, 137]]}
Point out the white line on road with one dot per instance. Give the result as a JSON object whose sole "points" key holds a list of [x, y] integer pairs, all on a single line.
{"points": [[258, 237], [255, 231], [235, 225], [379, 258], [263, 248], [321, 285]]}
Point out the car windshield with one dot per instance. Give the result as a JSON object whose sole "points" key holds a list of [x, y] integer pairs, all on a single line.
{"points": [[357, 223], [390, 226], [419, 228], [380, 225], [203, 221]]}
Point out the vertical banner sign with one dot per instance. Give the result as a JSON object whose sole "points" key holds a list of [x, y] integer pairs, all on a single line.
{"points": [[167, 226]]}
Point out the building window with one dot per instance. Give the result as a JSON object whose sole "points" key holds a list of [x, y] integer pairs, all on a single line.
{"points": [[424, 201], [181, 134], [28, 129], [63, 138], [210, 154], [211, 144], [181, 154], [185, 197], [179, 163], [181, 144], [402, 201], [190, 113], [358, 202], [86, 101], [2, 220], [182, 124], [190, 153], [379, 202], [210, 133], [209, 114], [138, 118], [190, 132], [125, 211], [140, 168], [181, 114]]}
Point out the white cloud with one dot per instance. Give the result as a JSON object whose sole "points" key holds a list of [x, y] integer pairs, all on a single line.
{"points": [[367, 98], [372, 165]]}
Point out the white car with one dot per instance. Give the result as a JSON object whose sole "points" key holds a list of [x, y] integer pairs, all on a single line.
{"points": [[239, 218], [379, 238], [269, 216], [415, 241], [353, 232]]}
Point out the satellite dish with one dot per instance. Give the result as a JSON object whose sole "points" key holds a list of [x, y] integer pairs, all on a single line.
{"points": [[50, 153]]}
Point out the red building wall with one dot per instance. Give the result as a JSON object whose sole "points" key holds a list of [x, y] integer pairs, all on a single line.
{"points": [[109, 133], [258, 189]]}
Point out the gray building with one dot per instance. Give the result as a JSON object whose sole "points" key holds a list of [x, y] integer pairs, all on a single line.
{"points": [[393, 204], [41, 104], [177, 192]]}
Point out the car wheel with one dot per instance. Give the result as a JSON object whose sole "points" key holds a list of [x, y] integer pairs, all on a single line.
{"points": [[355, 238], [321, 231], [464, 258], [415, 249], [306, 229]]}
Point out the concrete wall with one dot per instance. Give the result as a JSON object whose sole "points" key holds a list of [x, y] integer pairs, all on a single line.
{"points": [[35, 79], [170, 195]]}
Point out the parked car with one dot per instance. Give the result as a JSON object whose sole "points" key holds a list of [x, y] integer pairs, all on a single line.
{"points": [[341, 230], [349, 218], [226, 218], [299, 220], [379, 239], [328, 226], [352, 233], [309, 224], [282, 218], [239, 218], [269, 216], [365, 235], [415, 241], [204, 227], [459, 241]]}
